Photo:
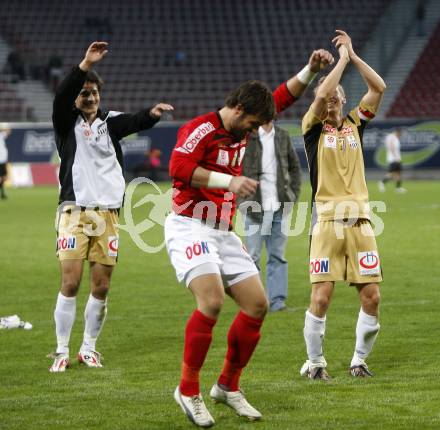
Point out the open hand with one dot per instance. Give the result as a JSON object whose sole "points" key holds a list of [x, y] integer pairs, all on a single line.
{"points": [[157, 110], [96, 52], [343, 39]]}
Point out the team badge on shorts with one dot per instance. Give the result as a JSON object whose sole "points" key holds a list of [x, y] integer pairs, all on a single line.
{"points": [[66, 243], [319, 266], [113, 243], [369, 263]]}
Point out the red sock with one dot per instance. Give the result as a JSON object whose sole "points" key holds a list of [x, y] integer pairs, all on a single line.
{"points": [[243, 337], [198, 336]]}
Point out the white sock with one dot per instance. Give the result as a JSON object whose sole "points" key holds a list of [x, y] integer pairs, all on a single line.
{"points": [[367, 329], [64, 316], [314, 330], [94, 316]]}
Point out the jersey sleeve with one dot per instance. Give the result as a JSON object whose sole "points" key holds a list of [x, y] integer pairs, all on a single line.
{"points": [[282, 97], [309, 121], [189, 150], [361, 115], [64, 114], [123, 124]]}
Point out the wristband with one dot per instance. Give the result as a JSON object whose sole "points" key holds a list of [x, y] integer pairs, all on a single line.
{"points": [[305, 76], [219, 180]]}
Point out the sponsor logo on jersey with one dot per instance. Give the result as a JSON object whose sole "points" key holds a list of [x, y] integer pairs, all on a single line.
{"points": [[352, 142], [222, 158], [319, 266], [195, 137], [196, 249], [330, 142], [347, 130], [329, 129], [368, 263], [112, 246], [66, 243]]}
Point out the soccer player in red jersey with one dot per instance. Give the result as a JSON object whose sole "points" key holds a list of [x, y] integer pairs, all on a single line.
{"points": [[206, 169]]}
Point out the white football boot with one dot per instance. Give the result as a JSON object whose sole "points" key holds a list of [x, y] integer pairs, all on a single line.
{"points": [[194, 408], [236, 401], [60, 363], [90, 358]]}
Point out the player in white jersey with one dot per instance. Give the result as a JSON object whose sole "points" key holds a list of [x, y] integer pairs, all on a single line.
{"points": [[394, 161], [91, 194]]}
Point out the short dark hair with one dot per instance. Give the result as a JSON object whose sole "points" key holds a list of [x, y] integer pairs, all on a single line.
{"points": [[94, 78], [255, 98]]}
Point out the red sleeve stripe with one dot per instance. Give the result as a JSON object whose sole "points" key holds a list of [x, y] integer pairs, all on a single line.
{"points": [[365, 114]]}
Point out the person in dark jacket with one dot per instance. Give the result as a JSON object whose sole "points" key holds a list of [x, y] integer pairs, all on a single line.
{"points": [[270, 158], [91, 194]]}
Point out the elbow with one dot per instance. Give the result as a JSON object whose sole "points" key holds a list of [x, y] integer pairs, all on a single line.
{"points": [[381, 87], [181, 170]]}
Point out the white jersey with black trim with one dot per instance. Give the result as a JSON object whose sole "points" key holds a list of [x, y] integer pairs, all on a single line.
{"points": [[91, 155], [97, 177]]}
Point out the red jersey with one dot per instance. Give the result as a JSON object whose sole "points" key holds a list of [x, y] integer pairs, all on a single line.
{"points": [[205, 142]]}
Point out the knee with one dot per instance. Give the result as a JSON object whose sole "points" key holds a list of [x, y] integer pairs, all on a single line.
{"points": [[319, 303], [259, 308], [212, 306], [70, 287], [371, 301], [100, 288]]}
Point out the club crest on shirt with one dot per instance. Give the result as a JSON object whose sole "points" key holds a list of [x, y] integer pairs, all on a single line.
{"points": [[102, 129], [222, 158], [330, 141]]}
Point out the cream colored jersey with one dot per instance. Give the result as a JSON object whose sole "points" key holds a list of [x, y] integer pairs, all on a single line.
{"points": [[336, 165]]}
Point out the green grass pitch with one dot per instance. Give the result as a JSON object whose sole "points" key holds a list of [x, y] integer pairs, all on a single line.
{"points": [[142, 338]]}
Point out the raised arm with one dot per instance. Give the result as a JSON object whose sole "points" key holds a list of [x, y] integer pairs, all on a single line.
{"points": [[376, 85], [293, 89], [330, 83], [70, 87], [94, 54], [125, 124], [318, 60]]}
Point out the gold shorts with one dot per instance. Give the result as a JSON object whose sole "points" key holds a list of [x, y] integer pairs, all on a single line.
{"points": [[88, 235], [343, 252]]}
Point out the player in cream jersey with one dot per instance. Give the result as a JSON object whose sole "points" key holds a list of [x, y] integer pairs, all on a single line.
{"points": [[343, 247]]}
